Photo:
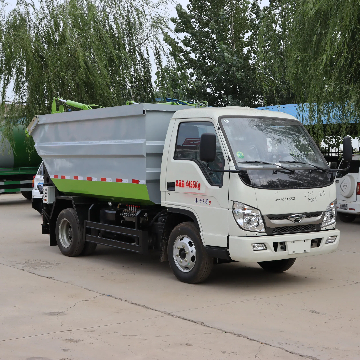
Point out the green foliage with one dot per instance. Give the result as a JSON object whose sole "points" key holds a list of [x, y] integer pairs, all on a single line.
{"points": [[323, 67], [271, 60], [213, 56], [91, 51], [324, 50], [172, 79], [226, 52]]}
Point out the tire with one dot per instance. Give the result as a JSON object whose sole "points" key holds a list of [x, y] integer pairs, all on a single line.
{"points": [[347, 218], [89, 248], [187, 255], [69, 233], [27, 195], [277, 266]]}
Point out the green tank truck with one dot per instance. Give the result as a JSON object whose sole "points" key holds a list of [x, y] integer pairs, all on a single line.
{"points": [[17, 165]]}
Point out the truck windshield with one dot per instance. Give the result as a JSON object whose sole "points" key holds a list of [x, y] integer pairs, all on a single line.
{"points": [[261, 142]]}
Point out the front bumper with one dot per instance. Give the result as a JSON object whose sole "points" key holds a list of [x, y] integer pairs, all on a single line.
{"points": [[241, 249]]}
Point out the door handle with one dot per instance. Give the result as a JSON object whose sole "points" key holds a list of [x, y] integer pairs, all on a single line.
{"points": [[171, 186]]}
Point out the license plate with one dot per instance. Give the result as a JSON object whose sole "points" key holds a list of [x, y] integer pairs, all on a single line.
{"points": [[343, 206], [298, 246]]}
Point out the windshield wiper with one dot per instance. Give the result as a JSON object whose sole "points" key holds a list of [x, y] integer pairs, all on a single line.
{"points": [[305, 163], [254, 162], [268, 163]]}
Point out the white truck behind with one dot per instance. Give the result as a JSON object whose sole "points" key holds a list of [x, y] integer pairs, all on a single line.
{"points": [[348, 190]]}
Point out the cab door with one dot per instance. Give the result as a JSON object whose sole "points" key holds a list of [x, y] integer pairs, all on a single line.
{"points": [[194, 186]]}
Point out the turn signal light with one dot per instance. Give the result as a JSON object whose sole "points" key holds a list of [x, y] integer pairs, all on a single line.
{"points": [[358, 189], [33, 180]]}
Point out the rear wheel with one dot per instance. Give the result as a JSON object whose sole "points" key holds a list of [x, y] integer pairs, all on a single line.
{"points": [[69, 233], [277, 266], [27, 195], [346, 217], [187, 255]]}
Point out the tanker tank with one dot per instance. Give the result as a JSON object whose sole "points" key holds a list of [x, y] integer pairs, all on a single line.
{"points": [[18, 164]]}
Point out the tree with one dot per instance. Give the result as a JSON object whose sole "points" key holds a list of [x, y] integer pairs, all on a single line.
{"points": [[172, 77], [91, 51], [215, 50], [323, 66], [272, 45]]}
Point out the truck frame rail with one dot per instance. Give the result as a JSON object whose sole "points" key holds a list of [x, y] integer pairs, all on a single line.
{"points": [[137, 240]]}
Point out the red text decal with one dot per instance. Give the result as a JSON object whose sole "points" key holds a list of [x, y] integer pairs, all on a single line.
{"points": [[188, 184]]}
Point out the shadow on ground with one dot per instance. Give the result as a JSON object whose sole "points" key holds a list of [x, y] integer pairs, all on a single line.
{"points": [[223, 275]]}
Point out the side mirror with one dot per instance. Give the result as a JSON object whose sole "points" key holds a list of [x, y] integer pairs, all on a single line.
{"points": [[208, 147], [347, 149]]}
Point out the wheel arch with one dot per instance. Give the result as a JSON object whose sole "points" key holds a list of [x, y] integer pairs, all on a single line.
{"points": [[186, 215], [175, 217]]}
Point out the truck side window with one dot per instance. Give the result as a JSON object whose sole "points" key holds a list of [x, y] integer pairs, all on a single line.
{"points": [[188, 148]]}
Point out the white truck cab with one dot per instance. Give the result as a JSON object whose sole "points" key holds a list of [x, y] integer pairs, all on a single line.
{"points": [[267, 195], [348, 190]]}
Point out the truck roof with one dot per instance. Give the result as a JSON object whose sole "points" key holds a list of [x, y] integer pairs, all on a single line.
{"points": [[215, 112]]}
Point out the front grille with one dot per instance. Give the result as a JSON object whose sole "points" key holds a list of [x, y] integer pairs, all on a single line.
{"points": [[285, 216], [291, 229]]}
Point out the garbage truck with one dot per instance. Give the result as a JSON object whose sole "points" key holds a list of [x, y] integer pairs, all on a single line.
{"points": [[18, 165], [199, 185]]}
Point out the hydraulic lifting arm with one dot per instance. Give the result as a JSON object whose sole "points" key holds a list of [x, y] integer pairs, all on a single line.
{"points": [[70, 103]]}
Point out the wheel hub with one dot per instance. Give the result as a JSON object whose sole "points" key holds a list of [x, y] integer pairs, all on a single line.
{"points": [[65, 233], [184, 253]]}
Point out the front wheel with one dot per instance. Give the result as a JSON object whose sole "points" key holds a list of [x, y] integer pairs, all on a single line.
{"points": [[346, 217], [69, 233], [277, 266], [187, 255]]}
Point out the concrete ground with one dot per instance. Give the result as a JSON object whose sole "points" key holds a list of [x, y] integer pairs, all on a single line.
{"points": [[119, 305]]}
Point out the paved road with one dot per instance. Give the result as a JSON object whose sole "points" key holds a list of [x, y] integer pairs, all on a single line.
{"points": [[119, 305]]}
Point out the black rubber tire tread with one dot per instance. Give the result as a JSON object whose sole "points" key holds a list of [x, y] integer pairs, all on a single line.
{"points": [[347, 218], [277, 266], [203, 264], [27, 195], [78, 243], [89, 248]]}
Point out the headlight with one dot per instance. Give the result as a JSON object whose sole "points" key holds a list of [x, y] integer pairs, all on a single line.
{"points": [[330, 215], [247, 217]]}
